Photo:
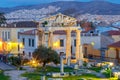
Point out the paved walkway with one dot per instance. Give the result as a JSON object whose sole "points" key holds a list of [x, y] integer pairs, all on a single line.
{"points": [[4, 66], [15, 74]]}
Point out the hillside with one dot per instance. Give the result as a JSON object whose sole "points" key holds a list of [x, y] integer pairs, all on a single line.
{"points": [[101, 11], [73, 7]]}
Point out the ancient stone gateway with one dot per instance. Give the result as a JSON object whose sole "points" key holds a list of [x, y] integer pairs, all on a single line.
{"points": [[64, 23]]}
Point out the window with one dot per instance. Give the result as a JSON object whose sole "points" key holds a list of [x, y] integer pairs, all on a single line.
{"points": [[33, 41], [23, 41], [3, 35], [29, 54], [23, 53], [75, 42], [29, 40], [61, 43], [18, 35], [8, 35]]}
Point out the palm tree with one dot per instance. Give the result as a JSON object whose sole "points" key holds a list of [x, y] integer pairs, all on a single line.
{"points": [[2, 18]]}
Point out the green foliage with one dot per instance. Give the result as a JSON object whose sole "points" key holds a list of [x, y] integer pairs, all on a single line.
{"points": [[14, 60], [108, 73], [45, 23], [24, 61], [3, 77], [97, 69], [85, 64], [2, 18], [54, 69], [45, 55], [32, 76], [36, 76]]}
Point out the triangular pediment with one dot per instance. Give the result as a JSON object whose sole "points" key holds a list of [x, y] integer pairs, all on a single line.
{"points": [[60, 20]]}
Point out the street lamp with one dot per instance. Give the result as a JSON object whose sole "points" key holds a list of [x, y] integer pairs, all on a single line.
{"points": [[92, 43], [33, 63]]}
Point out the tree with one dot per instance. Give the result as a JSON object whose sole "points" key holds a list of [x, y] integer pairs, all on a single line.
{"points": [[45, 55], [2, 18], [44, 23], [15, 60]]}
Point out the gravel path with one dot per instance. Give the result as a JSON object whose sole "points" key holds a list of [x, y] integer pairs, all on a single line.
{"points": [[15, 74]]}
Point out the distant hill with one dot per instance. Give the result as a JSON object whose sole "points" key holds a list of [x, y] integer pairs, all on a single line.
{"points": [[74, 7]]}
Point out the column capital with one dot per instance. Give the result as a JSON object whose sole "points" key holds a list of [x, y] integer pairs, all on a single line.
{"points": [[77, 30]]}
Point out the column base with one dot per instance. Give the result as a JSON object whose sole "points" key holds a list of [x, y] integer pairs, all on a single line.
{"points": [[80, 62], [68, 61]]}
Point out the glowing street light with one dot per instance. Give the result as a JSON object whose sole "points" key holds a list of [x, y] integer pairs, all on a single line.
{"points": [[33, 63], [92, 43]]}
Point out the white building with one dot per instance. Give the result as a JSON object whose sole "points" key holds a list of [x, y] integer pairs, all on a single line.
{"points": [[62, 34], [9, 35], [30, 40]]}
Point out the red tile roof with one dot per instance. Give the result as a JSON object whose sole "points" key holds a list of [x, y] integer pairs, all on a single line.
{"points": [[22, 24], [116, 44], [113, 32]]}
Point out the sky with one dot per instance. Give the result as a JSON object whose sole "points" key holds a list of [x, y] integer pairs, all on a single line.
{"points": [[13, 3]]}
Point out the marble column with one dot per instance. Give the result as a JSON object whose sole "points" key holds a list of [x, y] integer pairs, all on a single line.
{"points": [[78, 54], [77, 44], [40, 37], [50, 39], [61, 65], [68, 45], [43, 38]]}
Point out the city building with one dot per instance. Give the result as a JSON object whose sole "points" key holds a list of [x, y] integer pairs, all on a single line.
{"points": [[55, 32], [113, 52], [10, 38]]}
